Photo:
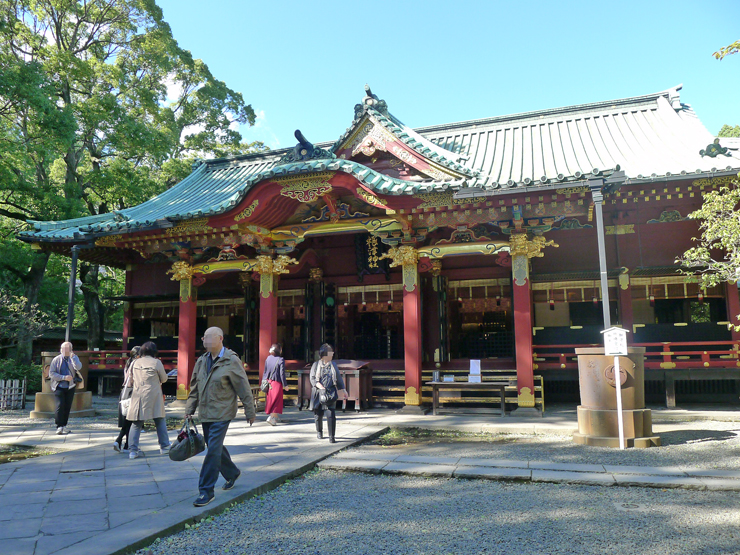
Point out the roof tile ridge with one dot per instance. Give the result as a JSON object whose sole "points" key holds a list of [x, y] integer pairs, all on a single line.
{"points": [[548, 112]]}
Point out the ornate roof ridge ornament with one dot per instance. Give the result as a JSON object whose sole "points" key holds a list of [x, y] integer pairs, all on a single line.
{"points": [[303, 151], [370, 101], [714, 149]]}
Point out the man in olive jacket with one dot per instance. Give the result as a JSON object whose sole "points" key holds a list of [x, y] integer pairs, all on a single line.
{"points": [[218, 378]]}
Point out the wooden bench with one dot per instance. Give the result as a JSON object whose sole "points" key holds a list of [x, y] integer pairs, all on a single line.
{"points": [[483, 386]]}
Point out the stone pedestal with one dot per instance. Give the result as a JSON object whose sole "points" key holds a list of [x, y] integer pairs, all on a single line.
{"points": [[597, 413], [82, 404]]}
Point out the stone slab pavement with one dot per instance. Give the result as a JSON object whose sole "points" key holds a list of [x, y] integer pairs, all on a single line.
{"points": [[92, 500], [377, 461]]}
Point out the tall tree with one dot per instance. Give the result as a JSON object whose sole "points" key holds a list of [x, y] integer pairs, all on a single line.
{"points": [[140, 107]]}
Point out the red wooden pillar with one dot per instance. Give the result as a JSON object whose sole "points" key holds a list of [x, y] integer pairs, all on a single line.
{"points": [[412, 334], [522, 297], [127, 311], [186, 342], [626, 318], [733, 308], [268, 317]]}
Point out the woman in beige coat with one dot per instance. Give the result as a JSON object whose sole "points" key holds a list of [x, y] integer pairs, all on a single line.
{"points": [[146, 400]]}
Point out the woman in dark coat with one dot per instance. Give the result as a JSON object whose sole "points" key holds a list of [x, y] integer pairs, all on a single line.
{"points": [[128, 388], [275, 373], [325, 376]]}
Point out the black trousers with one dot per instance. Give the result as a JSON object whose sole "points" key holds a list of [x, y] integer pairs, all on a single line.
{"points": [[63, 399], [125, 429]]}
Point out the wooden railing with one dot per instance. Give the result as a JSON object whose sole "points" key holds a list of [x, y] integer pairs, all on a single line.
{"points": [[664, 355]]}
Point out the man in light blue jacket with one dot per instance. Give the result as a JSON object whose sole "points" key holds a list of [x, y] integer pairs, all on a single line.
{"points": [[62, 373]]}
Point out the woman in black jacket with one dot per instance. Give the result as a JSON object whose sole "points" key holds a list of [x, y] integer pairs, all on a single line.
{"points": [[326, 377], [128, 387]]}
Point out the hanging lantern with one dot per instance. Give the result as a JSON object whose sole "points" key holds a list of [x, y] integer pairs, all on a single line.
{"points": [[498, 300], [652, 300], [595, 300], [701, 297], [552, 304]]}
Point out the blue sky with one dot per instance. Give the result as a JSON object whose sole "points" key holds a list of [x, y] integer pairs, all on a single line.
{"points": [[303, 65]]}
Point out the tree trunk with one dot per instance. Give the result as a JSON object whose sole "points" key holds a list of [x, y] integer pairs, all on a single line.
{"points": [[31, 287], [94, 309]]}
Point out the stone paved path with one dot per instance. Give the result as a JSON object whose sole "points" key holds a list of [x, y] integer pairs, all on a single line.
{"points": [[95, 501], [376, 461]]}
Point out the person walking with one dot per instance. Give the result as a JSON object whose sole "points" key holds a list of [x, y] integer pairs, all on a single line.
{"points": [[325, 376], [147, 402], [63, 373], [126, 391], [218, 379], [275, 373]]}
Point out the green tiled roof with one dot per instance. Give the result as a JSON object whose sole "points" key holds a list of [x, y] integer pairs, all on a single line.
{"points": [[217, 186]]}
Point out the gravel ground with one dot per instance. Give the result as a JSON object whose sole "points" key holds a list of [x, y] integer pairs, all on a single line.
{"points": [[701, 445], [326, 512]]}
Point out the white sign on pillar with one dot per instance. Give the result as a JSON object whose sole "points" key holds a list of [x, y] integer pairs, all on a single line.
{"points": [[615, 344]]}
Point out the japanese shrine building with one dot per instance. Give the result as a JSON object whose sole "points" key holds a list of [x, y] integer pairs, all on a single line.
{"points": [[423, 248]]}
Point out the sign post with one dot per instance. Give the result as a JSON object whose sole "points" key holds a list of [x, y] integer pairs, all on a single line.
{"points": [[615, 344]]}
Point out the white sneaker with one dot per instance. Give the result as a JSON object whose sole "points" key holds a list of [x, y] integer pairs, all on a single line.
{"points": [[117, 447], [271, 421], [164, 450], [133, 454], [67, 430], [60, 431]]}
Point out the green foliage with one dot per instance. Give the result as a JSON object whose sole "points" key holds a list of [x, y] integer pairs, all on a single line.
{"points": [[15, 315], [729, 131], [10, 370], [716, 258], [733, 48], [100, 109]]}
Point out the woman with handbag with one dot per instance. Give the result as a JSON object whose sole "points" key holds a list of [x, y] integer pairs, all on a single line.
{"points": [[326, 383], [275, 375], [147, 402], [125, 399]]}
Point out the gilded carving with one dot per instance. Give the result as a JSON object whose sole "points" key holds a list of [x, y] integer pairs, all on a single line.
{"points": [[412, 397], [407, 257], [624, 279], [525, 397], [315, 275], [571, 190], [181, 271], [248, 211], [370, 198], [404, 155], [439, 200], [402, 256], [108, 241], [306, 188], [372, 136], [625, 229], [522, 246], [275, 266], [436, 268], [190, 226], [710, 182]]}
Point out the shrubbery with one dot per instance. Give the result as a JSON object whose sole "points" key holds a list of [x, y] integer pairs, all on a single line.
{"points": [[10, 370]]}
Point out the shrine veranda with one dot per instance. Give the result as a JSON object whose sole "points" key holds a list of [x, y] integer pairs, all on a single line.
{"points": [[419, 249]]}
